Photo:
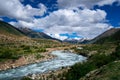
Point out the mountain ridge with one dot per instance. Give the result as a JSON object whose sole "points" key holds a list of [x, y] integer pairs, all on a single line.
{"points": [[34, 34], [105, 34], [6, 28], [108, 34]]}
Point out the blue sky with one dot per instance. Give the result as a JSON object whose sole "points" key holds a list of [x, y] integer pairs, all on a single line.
{"points": [[113, 13], [63, 18]]}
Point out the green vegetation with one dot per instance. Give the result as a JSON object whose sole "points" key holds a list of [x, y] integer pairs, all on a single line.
{"points": [[117, 53], [79, 70], [13, 44], [101, 65], [38, 56], [110, 71], [103, 55], [110, 39], [16, 50], [8, 54], [9, 29], [92, 49], [103, 61], [14, 47]]}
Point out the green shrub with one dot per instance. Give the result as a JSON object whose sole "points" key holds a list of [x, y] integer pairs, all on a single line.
{"points": [[116, 54], [79, 70], [26, 47], [8, 54], [95, 61], [38, 56], [42, 50], [101, 59]]}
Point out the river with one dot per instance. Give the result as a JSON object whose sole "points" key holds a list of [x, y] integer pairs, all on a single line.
{"points": [[63, 59]]}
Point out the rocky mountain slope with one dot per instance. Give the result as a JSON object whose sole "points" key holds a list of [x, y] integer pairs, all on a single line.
{"points": [[108, 36], [6, 28], [16, 47], [34, 34]]}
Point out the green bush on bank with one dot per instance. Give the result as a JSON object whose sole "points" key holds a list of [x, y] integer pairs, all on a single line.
{"points": [[117, 52], [38, 56], [94, 62], [101, 59], [41, 50], [8, 54], [79, 70]]}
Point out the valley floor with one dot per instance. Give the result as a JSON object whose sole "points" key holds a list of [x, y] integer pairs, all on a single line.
{"points": [[29, 59], [103, 64]]}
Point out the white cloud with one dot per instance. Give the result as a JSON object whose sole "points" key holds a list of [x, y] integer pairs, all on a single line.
{"points": [[15, 9], [65, 17], [68, 19], [84, 3], [23, 24], [87, 23], [59, 37]]}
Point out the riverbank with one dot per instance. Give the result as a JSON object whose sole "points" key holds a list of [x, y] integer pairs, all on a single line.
{"points": [[102, 63], [49, 75], [54, 74], [25, 60], [61, 60]]}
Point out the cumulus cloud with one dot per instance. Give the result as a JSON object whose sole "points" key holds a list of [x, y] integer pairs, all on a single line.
{"points": [[84, 3], [58, 36], [87, 23], [15, 9], [68, 19]]}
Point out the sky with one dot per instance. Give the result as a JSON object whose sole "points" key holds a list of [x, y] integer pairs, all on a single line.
{"points": [[63, 19]]}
